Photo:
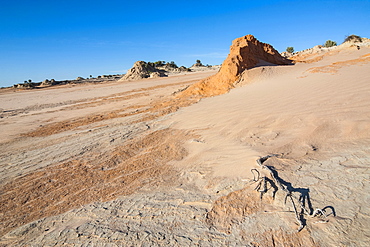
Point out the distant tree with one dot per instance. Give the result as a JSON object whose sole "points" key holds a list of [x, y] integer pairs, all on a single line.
{"points": [[290, 49], [353, 38], [198, 63], [25, 81], [330, 43], [159, 63], [172, 64], [29, 80], [90, 76]]}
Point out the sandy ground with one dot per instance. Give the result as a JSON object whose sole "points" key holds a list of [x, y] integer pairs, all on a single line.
{"points": [[133, 165]]}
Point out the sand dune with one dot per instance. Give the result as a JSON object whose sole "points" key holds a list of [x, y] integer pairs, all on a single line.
{"points": [[133, 164], [318, 124]]}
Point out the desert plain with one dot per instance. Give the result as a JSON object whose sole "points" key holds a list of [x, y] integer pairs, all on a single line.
{"points": [[151, 163]]}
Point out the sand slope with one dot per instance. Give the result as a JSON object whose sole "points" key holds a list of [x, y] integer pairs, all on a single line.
{"points": [[317, 122], [131, 165]]}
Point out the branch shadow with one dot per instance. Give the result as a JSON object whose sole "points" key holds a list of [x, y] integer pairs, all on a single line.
{"points": [[304, 193]]}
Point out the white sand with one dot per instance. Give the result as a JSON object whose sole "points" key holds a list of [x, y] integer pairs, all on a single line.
{"points": [[24, 110]]}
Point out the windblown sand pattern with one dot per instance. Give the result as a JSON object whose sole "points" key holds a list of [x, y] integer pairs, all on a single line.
{"points": [[148, 163]]}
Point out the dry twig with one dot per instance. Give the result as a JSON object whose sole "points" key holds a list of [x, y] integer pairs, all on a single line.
{"points": [[276, 184]]}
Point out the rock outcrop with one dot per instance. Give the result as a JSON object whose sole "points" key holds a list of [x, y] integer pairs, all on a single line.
{"points": [[286, 54], [245, 53], [318, 52], [139, 71], [155, 75], [52, 82], [142, 70], [198, 64], [47, 83]]}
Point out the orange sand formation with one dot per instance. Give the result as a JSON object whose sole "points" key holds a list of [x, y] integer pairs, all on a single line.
{"points": [[245, 53]]}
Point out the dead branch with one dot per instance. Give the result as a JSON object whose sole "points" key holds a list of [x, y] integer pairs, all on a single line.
{"points": [[276, 184], [255, 179]]}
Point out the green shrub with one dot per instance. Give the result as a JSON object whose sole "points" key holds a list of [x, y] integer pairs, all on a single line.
{"points": [[159, 63], [290, 49], [198, 63], [171, 64], [330, 43], [353, 38]]}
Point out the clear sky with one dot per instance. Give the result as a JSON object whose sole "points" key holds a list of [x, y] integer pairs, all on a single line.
{"points": [[64, 39]]}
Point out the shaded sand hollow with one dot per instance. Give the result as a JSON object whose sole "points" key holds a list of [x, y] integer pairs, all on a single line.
{"points": [[133, 164]]}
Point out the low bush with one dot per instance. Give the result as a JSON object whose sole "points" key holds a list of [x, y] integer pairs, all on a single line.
{"points": [[290, 49], [330, 43], [352, 38]]}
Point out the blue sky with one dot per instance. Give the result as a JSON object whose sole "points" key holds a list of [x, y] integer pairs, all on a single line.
{"points": [[64, 39]]}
